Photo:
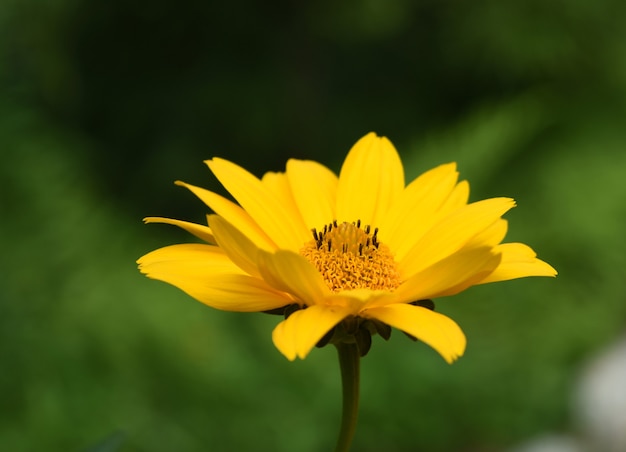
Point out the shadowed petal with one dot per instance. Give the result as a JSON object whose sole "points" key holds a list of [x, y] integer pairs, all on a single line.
{"points": [[241, 293], [518, 261], [298, 334], [292, 273], [199, 230], [432, 328], [370, 180], [237, 246]]}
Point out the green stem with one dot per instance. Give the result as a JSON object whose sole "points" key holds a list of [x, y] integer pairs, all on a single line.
{"points": [[349, 365]]}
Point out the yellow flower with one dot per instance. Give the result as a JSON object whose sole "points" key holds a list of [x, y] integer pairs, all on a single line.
{"points": [[358, 249]]}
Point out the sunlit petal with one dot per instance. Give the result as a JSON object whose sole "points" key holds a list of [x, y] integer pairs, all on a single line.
{"points": [[412, 213], [452, 233], [277, 221], [446, 277], [370, 179], [457, 199], [314, 188], [278, 187], [490, 236], [209, 255], [232, 213], [207, 274]]}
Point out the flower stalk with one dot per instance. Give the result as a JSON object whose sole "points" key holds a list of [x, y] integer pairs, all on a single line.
{"points": [[349, 361]]}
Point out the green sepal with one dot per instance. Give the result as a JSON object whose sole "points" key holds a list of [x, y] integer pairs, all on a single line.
{"points": [[363, 340]]}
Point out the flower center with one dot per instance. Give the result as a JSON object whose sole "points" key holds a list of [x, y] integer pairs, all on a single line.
{"points": [[351, 257]]}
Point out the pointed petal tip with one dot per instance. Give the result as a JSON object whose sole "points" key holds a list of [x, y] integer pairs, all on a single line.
{"points": [[547, 269]]}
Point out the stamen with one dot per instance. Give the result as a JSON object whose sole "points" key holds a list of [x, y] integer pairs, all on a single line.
{"points": [[349, 257]]}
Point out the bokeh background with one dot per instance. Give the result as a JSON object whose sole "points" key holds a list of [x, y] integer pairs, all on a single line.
{"points": [[104, 104]]}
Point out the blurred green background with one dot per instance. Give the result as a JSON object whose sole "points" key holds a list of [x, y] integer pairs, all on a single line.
{"points": [[104, 104]]}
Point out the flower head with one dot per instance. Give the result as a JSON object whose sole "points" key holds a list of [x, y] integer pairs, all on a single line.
{"points": [[344, 257]]}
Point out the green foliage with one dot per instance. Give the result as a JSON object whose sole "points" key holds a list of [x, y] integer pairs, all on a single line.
{"points": [[102, 105]]}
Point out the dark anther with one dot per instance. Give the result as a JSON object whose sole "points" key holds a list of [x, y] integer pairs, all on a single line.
{"points": [[314, 231], [360, 249], [335, 223], [428, 304], [329, 244], [367, 242], [358, 223], [367, 229], [375, 233], [344, 248], [325, 229]]}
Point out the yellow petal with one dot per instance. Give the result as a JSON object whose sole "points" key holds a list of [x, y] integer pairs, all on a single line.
{"points": [[232, 292], [200, 258], [452, 233], [208, 275], [491, 236], [413, 213], [292, 273], [278, 187], [432, 328], [232, 213], [237, 246], [518, 261], [457, 199], [446, 277], [371, 178], [298, 334], [280, 223], [314, 189], [199, 230]]}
